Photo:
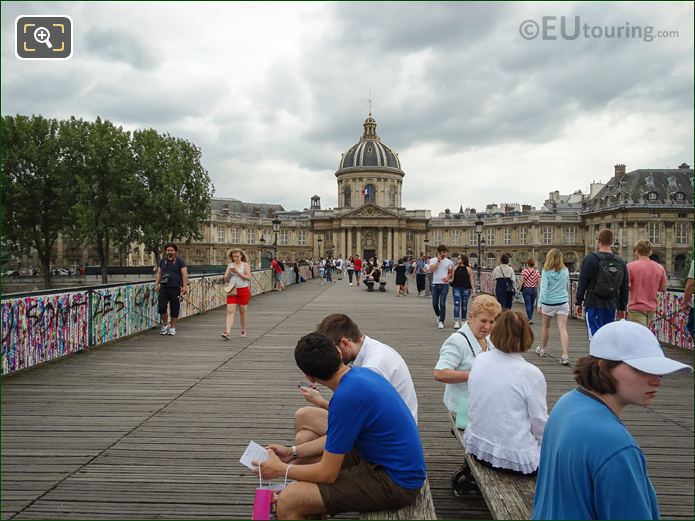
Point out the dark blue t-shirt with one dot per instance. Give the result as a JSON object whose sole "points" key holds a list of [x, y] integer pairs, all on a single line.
{"points": [[368, 414], [173, 268]]}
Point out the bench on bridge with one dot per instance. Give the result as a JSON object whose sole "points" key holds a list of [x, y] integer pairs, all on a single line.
{"points": [[508, 496], [370, 285], [423, 508]]}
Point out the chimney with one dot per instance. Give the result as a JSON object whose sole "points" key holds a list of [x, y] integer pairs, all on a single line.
{"points": [[619, 172]]}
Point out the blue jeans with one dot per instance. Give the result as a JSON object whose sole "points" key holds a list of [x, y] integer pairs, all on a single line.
{"points": [[329, 275], [439, 293], [529, 295], [461, 301]]}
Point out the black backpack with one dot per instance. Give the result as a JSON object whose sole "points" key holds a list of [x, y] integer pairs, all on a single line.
{"points": [[609, 276], [280, 263]]}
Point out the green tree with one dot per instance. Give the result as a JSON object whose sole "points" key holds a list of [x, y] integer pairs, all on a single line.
{"points": [[176, 189], [36, 192], [106, 191]]}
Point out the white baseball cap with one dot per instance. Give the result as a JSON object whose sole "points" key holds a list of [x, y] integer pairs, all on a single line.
{"points": [[635, 345]]}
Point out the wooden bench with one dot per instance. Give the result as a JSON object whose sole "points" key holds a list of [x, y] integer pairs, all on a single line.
{"points": [[508, 496], [423, 508]]}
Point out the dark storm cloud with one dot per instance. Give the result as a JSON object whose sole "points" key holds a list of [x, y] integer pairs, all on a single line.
{"points": [[117, 45]]}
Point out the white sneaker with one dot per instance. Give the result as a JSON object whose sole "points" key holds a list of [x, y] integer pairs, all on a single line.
{"points": [[540, 351], [172, 331], [457, 325], [440, 325], [350, 284], [164, 330]]}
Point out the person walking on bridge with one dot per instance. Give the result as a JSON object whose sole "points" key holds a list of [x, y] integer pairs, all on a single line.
{"points": [[171, 282]]}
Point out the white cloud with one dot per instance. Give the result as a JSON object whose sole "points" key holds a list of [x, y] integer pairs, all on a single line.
{"points": [[273, 93]]}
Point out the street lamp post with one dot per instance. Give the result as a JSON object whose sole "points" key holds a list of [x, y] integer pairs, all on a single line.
{"points": [[320, 241], [478, 231], [427, 242], [276, 229]]}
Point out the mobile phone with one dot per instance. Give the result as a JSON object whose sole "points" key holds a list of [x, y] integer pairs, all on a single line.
{"points": [[305, 384]]}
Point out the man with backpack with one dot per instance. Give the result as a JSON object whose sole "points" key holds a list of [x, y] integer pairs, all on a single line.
{"points": [[278, 268], [603, 285]]}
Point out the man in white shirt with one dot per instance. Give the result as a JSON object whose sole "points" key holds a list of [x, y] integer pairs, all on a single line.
{"points": [[440, 267], [311, 423]]}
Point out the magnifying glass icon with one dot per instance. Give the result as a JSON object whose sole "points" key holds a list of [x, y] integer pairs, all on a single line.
{"points": [[42, 35]]}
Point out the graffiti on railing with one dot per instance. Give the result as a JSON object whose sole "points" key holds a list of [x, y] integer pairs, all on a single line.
{"points": [[41, 328]]}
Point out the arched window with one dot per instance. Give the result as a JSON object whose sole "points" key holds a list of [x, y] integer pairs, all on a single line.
{"points": [[491, 260], [347, 193], [369, 194]]}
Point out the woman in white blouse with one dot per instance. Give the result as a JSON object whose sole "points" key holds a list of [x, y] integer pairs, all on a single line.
{"points": [[458, 352], [507, 400]]}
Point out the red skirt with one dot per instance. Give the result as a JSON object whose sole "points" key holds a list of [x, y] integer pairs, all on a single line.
{"points": [[242, 297]]}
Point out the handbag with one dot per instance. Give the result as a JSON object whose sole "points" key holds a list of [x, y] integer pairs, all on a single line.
{"points": [[462, 419], [508, 283], [265, 502]]}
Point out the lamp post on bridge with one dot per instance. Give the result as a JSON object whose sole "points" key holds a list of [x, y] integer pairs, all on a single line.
{"points": [[276, 228], [478, 230]]}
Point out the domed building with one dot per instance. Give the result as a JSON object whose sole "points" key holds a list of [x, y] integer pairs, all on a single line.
{"points": [[370, 220]]}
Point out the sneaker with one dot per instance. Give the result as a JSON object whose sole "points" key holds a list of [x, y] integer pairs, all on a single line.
{"points": [[565, 361], [225, 335], [164, 330], [172, 331], [530, 322], [350, 284], [457, 325], [440, 325], [243, 334], [541, 352]]}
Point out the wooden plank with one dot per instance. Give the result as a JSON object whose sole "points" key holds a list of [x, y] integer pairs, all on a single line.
{"points": [[423, 508], [164, 420]]}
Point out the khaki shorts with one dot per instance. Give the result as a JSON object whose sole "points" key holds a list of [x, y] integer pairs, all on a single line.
{"points": [[646, 318], [363, 487]]}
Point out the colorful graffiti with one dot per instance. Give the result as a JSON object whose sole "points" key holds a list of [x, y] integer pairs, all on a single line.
{"points": [[41, 328]]}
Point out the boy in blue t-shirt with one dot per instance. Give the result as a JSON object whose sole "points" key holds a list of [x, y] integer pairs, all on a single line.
{"points": [[373, 458]]}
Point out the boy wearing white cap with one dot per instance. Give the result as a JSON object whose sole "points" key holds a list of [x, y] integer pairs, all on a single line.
{"points": [[590, 466]]}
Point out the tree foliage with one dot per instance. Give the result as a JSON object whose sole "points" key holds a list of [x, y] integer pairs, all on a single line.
{"points": [[95, 183], [36, 192], [177, 189], [106, 191]]}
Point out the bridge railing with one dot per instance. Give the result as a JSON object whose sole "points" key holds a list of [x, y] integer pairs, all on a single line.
{"points": [[42, 326], [669, 326]]}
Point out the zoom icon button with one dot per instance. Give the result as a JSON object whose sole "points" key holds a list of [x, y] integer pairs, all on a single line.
{"points": [[40, 37]]}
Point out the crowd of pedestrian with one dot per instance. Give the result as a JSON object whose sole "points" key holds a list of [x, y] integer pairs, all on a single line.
{"points": [[361, 450]]}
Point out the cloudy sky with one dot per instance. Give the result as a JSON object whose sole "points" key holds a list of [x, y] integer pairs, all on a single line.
{"points": [[273, 93]]}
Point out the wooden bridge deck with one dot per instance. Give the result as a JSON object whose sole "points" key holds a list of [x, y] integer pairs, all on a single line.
{"points": [[153, 427]]}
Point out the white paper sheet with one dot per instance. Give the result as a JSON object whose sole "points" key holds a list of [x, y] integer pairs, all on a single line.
{"points": [[254, 452]]}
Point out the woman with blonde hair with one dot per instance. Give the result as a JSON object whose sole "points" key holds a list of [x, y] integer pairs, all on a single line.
{"points": [[460, 350], [236, 279], [553, 301]]}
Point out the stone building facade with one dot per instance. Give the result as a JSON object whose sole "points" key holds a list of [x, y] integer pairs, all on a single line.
{"points": [[371, 220]]}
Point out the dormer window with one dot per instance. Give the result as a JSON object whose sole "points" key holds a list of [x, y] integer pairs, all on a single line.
{"points": [[652, 196], [679, 196]]}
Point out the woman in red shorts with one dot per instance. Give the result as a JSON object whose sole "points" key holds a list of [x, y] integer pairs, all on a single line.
{"points": [[237, 275]]}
